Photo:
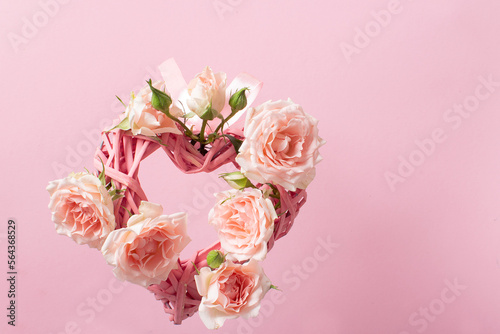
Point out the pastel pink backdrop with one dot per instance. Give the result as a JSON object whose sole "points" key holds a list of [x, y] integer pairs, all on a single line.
{"points": [[394, 249]]}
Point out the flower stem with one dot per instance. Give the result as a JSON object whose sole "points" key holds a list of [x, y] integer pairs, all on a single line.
{"points": [[202, 131], [221, 125], [187, 131]]}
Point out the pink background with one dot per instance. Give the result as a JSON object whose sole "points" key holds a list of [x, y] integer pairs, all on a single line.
{"points": [[396, 248]]}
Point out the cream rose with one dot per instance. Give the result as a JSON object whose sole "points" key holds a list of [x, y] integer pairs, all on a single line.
{"points": [[244, 220], [147, 249], [144, 119], [230, 291], [281, 145], [204, 89], [82, 209]]}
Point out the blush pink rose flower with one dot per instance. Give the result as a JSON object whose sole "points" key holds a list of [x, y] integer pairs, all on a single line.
{"points": [[144, 119], [244, 220], [204, 89], [231, 291], [82, 208], [281, 145], [147, 250]]}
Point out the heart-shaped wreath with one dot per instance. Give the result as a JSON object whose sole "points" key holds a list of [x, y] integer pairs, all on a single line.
{"points": [[274, 150]]}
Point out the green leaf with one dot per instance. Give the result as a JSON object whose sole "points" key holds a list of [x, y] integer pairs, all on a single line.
{"points": [[102, 176], [215, 258], [236, 142]]}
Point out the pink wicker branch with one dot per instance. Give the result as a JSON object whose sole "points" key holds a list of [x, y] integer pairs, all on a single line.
{"points": [[178, 293], [189, 160], [121, 154], [291, 202]]}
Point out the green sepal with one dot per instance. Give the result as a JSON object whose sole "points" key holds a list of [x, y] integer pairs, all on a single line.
{"points": [[115, 193], [158, 140], [209, 114], [237, 180], [123, 125], [121, 101], [225, 200], [195, 268], [188, 115], [128, 211]]}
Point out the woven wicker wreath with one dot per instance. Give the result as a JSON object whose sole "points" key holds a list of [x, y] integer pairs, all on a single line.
{"points": [[179, 128]]}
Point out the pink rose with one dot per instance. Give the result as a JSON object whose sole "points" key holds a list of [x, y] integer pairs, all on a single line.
{"points": [[144, 119], [244, 220], [230, 291], [281, 145], [147, 249], [205, 89], [82, 208]]}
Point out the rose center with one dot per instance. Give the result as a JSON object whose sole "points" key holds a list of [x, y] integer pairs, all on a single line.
{"points": [[145, 250], [287, 147], [85, 215], [231, 288]]}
